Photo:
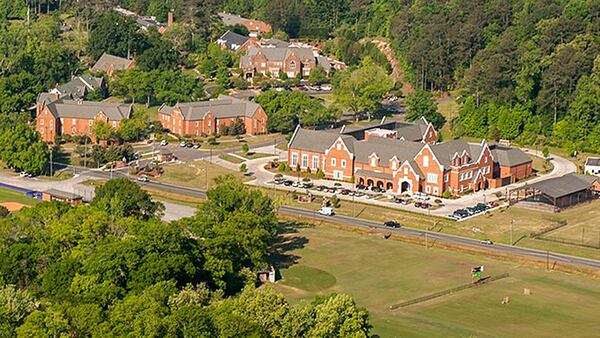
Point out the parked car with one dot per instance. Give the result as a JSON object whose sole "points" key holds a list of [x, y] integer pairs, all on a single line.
{"points": [[307, 185], [391, 224], [189, 145], [143, 178], [295, 184], [321, 188], [196, 146], [182, 144], [25, 174], [288, 183], [345, 192], [164, 143], [331, 190], [327, 211], [487, 242], [360, 187], [421, 196]]}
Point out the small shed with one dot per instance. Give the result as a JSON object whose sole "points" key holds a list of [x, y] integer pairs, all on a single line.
{"points": [[267, 274], [62, 196]]}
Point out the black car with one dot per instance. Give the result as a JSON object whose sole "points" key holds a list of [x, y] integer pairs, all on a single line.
{"points": [[189, 145], [391, 224], [288, 183], [360, 187], [462, 213]]}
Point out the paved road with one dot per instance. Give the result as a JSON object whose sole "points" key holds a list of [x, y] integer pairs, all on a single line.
{"points": [[513, 250]]}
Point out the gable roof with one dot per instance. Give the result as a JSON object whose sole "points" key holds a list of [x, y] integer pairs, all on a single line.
{"points": [[223, 107], [444, 152], [231, 19], [79, 86], [312, 140], [386, 149], [565, 185], [232, 40], [88, 110], [105, 62], [278, 54], [509, 157]]}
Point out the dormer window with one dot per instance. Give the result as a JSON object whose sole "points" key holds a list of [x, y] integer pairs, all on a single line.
{"points": [[293, 65]]}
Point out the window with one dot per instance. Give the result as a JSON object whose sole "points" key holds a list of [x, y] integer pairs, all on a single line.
{"points": [[432, 178], [333, 161], [262, 64], [373, 162], [294, 159], [114, 124], [293, 65], [90, 123], [51, 123], [73, 121], [485, 159], [42, 130], [304, 161], [41, 122], [343, 163], [405, 170], [426, 161], [337, 175], [394, 165], [446, 177], [428, 189], [435, 191], [470, 174], [339, 146], [315, 162]]}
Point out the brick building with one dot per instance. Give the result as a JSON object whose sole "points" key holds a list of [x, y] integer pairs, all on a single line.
{"points": [[404, 158], [58, 116], [236, 42], [209, 117], [279, 60]]}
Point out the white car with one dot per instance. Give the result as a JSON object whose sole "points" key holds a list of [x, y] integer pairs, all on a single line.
{"points": [[164, 143], [326, 211], [421, 196], [143, 179], [24, 174], [183, 144]]}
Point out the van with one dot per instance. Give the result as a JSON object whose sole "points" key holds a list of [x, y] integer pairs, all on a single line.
{"points": [[326, 211]]}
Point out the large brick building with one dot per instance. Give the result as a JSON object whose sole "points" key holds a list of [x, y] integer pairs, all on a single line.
{"points": [[58, 116], [277, 61], [209, 117], [402, 159]]}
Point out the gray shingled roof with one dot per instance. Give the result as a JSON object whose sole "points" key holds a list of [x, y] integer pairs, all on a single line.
{"points": [[565, 185], [223, 107], [279, 54], [509, 157], [444, 152], [232, 40], [312, 140], [88, 109], [62, 194], [386, 149], [270, 43], [106, 60], [231, 19], [593, 161], [374, 174], [79, 86]]}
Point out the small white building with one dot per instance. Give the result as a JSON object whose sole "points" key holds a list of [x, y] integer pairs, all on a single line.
{"points": [[592, 166]]}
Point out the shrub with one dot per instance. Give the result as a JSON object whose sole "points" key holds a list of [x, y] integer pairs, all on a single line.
{"points": [[245, 148], [446, 194], [308, 171], [278, 175], [337, 184], [306, 179], [243, 168], [281, 167], [320, 174], [335, 201]]}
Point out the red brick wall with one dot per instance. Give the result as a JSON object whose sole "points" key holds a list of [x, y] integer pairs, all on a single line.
{"points": [[46, 124], [430, 135], [518, 172], [339, 152], [406, 176], [432, 168]]}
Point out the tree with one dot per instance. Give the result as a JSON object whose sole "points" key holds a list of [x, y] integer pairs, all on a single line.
{"points": [[102, 130], [123, 198], [546, 152], [362, 89], [317, 76], [115, 34], [132, 129], [420, 104], [245, 148], [243, 168], [21, 147]]}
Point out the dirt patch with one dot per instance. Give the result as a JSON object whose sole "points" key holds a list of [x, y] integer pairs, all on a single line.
{"points": [[14, 206]]}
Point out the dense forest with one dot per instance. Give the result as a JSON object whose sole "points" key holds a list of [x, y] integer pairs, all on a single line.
{"points": [[113, 268]]}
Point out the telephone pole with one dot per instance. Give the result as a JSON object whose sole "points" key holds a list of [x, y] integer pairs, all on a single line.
{"points": [[512, 221]]}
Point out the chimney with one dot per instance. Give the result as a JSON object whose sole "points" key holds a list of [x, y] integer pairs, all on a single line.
{"points": [[170, 19]]}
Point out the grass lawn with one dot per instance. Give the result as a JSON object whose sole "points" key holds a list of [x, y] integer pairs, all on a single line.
{"points": [[379, 273], [541, 166], [231, 158], [8, 195], [195, 174], [494, 225]]}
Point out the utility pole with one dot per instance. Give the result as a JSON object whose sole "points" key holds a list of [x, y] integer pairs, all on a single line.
{"points": [[512, 221], [582, 235], [426, 246], [547, 260], [85, 153], [51, 151]]}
